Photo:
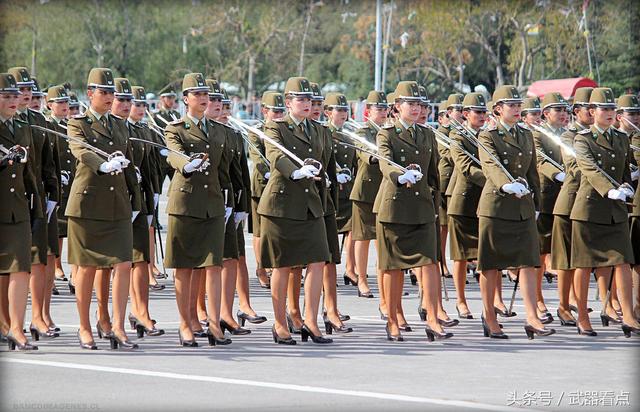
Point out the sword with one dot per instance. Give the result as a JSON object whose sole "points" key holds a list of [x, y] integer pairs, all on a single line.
{"points": [[202, 156], [446, 141], [635, 148], [245, 136], [360, 139], [513, 294], [107, 156], [14, 152], [542, 153]]}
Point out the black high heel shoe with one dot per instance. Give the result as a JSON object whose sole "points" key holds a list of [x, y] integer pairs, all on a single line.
{"points": [[244, 317], [72, 288], [382, 315], [116, 342], [86, 345], [606, 319], [549, 276], [413, 278], [546, 320], [530, 330], [281, 341], [405, 327], [48, 334], [53, 328], [573, 308], [133, 321], [348, 280], [292, 328], [586, 332], [466, 315], [628, 330], [393, 338], [141, 330], [367, 295], [493, 335], [565, 322], [55, 291], [306, 334], [329, 326], [102, 334], [191, 343], [505, 313], [14, 344], [213, 341], [237, 331], [433, 335], [449, 323], [422, 312]]}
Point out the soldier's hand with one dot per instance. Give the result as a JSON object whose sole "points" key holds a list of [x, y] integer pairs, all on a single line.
{"points": [[635, 174], [515, 188], [164, 152], [617, 194], [51, 207], [627, 190], [64, 180], [343, 178], [111, 166], [196, 164], [560, 177], [267, 175], [124, 162], [306, 171], [227, 214], [407, 177]]}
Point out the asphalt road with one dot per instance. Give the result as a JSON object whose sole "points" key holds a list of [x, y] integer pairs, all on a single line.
{"points": [[359, 371]]}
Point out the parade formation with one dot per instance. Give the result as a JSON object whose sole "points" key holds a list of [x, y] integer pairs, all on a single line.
{"points": [[519, 188]]}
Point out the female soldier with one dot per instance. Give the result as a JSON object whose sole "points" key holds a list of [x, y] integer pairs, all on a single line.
{"points": [[104, 199], [600, 226], [292, 225], [507, 227], [196, 208], [16, 180], [405, 208]]}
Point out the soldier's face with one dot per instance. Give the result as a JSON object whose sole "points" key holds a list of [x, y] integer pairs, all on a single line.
{"points": [[456, 114], [137, 111], [509, 112], [121, 107], [556, 116], [584, 116], [337, 116], [59, 109], [197, 102], [214, 107], [316, 110], [101, 100], [532, 118], [299, 107], [604, 117], [476, 118], [74, 111], [409, 111], [275, 114], [168, 101], [25, 97], [36, 103], [8, 105], [378, 114]]}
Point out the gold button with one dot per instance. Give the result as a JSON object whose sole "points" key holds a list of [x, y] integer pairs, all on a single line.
{"points": [[110, 143], [68, 151], [417, 193], [206, 186], [206, 173], [13, 175], [306, 190], [12, 190], [207, 146], [294, 148], [111, 188], [417, 152]]}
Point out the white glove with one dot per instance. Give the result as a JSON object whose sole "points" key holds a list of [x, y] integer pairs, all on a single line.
{"points": [[112, 165], [306, 171], [156, 200], [537, 215], [149, 220], [239, 217], [124, 162], [64, 180], [327, 183], [227, 214], [617, 194], [560, 177], [635, 174], [410, 176], [138, 175], [343, 178], [515, 188], [194, 165], [134, 214], [51, 207], [267, 175], [164, 152], [627, 190]]}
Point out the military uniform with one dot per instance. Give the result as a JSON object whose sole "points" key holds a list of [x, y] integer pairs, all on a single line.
{"points": [[466, 191], [446, 167], [17, 184], [507, 230], [163, 118], [367, 180], [549, 184]]}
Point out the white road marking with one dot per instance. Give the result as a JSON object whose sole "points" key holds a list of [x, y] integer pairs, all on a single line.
{"points": [[262, 384]]}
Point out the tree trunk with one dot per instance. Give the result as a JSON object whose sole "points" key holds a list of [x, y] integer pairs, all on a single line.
{"points": [[304, 38]]}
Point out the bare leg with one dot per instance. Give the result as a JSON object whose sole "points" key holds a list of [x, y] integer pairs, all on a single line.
{"points": [[293, 294], [541, 307], [242, 286], [120, 289], [361, 252], [565, 280], [528, 279], [59, 271], [5, 320], [350, 266], [101, 285], [498, 303], [279, 281], [581, 279], [431, 292], [625, 293], [140, 294], [488, 291], [83, 281], [214, 294], [17, 294], [37, 284], [331, 293], [459, 279], [312, 291], [229, 278], [50, 271], [391, 279], [260, 271], [603, 275], [444, 231], [636, 291], [196, 294], [183, 285]]}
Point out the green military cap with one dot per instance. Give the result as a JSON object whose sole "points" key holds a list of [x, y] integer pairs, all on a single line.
{"points": [[317, 95], [424, 99], [508, 94], [73, 100], [531, 105], [407, 90], [454, 101], [35, 88], [168, 91], [391, 98], [553, 99], [225, 97], [377, 98], [123, 87], [214, 88], [8, 84], [474, 101], [602, 97], [139, 94], [67, 85], [298, 86], [22, 76], [57, 94], [628, 103], [194, 82], [101, 78], [336, 101], [273, 100], [582, 96]]}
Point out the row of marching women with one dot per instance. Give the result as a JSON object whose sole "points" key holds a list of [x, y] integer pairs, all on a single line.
{"points": [[508, 184]]}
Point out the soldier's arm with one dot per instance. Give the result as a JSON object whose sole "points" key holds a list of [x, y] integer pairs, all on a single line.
{"points": [[568, 159], [363, 156], [491, 170], [463, 163], [86, 156], [256, 159], [174, 142], [278, 160], [30, 182], [544, 167], [445, 164], [246, 181], [533, 179], [433, 174], [385, 150], [586, 163], [626, 176], [146, 169], [635, 140], [50, 170], [332, 172], [132, 181]]}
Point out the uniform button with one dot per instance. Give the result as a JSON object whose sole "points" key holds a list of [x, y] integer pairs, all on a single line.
{"points": [[505, 153], [68, 151], [613, 168], [519, 166], [207, 146], [402, 150], [310, 150], [206, 173], [84, 192], [530, 152], [417, 193], [94, 140], [110, 143], [294, 148], [111, 188], [206, 186], [550, 151], [113, 173], [68, 161], [13, 175], [12, 190], [306, 190], [191, 145], [394, 198], [368, 180], [520, 154], [346, 155], [599, 154], [613, 155], [281, 191], [417, 152]]}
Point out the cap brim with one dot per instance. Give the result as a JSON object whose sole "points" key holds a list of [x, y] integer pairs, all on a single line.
{"points": [[475, 108], [532, 109], [196, 89], [168, 95], [10, 90], [25, 84], [409, 98], [102, 87], [274, 107], [299, 94], [129, 95], [549, 106], [215, 94], [509, 101], [317, 98], [607, 105], [58, 99], [337, 106], [629, 109]]}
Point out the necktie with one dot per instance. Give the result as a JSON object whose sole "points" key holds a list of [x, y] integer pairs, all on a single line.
{"points": [[9, 125], [104, 122], [303, 128], [412, 132], [23, 117], [202, 127]]}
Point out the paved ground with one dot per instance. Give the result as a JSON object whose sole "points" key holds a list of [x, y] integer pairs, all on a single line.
{"points": [[360, 371]]}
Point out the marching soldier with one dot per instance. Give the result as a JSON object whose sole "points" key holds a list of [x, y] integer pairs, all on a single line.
{"points": [[166, 112], [600, 226], [531, 111], [561, 230], [552, 174], [507, 210], [37, 97], [17, 185], [74, 104], [44, 167]]}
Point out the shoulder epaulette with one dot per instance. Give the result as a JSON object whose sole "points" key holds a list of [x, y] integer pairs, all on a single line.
{"points": [[176, 122], [491, 128], [523, 126], [585, 131], [388, 126], [573, 129]]}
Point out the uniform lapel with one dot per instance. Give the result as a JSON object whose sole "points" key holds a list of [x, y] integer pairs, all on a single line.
{"points": [[404, 134], [97, 126], [297, 131], [509, 137], [6, 138], [195, 131], [601, 139]]}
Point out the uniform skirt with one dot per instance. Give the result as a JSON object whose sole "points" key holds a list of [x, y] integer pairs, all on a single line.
{"points": [[596, 245], [230, 240], [363, 221], [15, 247], [286, 242], [52, 236], [504, 244], [240, 239], [255, 217], [332, 238], [545, 226], [194, 242], [99, 243], [442, 211], [463, 237], [343, 215], [62, 220], [403, 246], [141, 252], [561, 243], [635, 238], [39, 241]]}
